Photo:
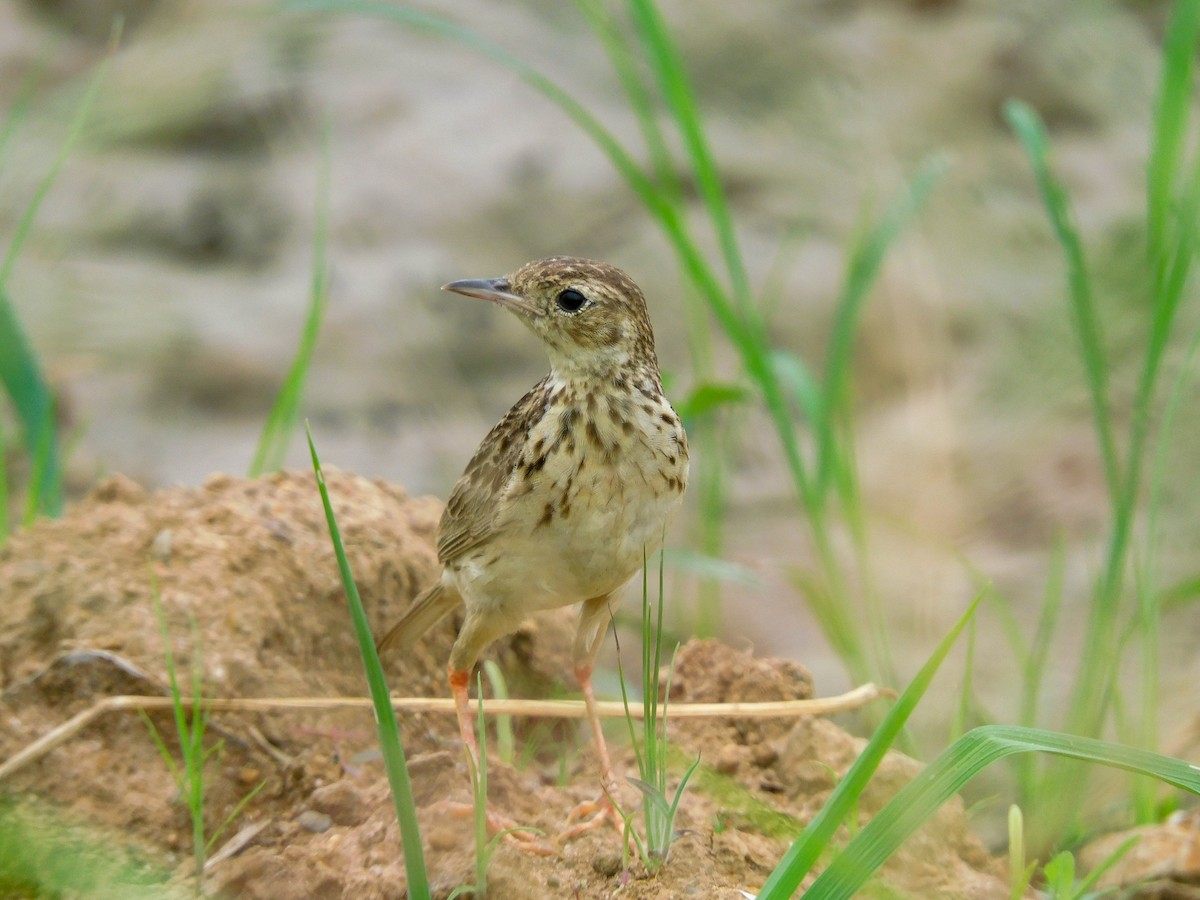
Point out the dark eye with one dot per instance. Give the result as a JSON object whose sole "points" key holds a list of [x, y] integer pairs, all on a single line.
{"points": [[571, 300]]}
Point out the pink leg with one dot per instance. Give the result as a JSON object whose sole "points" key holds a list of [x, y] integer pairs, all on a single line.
{"points": [[496, 823], [608, 781], [603, 810], [459, 682]]}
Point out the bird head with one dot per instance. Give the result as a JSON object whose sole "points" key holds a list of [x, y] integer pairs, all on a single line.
{"points": [[590, 316]]}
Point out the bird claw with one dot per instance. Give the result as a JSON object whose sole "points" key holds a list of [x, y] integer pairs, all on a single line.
{"points": [[523, 837], [594, 814]]}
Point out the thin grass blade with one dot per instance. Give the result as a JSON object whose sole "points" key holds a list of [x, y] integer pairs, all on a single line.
{"points": [[1027, 125], [3, 487], [958, 764], [862, 270], [385, 715], [27, 386], [1170, 126], [673, 81], [276, 435], [812, 842], [20, 371]]}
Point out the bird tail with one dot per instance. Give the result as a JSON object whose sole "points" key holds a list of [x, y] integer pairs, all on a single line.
{"points": [[427, 610]]}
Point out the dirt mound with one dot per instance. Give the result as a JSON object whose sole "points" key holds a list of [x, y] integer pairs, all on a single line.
{"points": [[249, 588]]}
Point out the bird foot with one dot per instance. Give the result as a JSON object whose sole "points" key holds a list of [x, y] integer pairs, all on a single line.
{"points": [[523, 837], [591, 815]]}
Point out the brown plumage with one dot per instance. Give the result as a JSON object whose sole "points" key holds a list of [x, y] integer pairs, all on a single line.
{"points": [[569, 490]]}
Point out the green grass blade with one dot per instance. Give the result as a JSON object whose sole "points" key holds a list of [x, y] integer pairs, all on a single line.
{"points": [[164, 752], [795, 376], [639, 756], [385, 715], [23, 379], [1170, 126], [19, 111], [78, 121], [20, 371], [43, 474], [233, 814], [664, 171], [504, 727], [1028, 127], [3, 487], [812, 842], [1093, 684], [958, 764], [862, 270], [668, 67], [1019, 872], [602, 23], [1033, 668], [281, 422], [836, 619], [479, 781]]}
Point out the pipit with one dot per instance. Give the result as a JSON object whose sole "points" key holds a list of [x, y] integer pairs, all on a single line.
{"points": [[568, 492]]}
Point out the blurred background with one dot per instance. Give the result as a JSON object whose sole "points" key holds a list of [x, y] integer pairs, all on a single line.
{"points": [[166, 280]]}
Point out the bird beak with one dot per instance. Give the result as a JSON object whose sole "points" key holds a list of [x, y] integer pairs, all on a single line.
{"points": [[493, 289]]}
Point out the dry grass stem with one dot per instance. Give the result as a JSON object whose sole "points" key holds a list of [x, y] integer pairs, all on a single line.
{"points": [[563, 709]]}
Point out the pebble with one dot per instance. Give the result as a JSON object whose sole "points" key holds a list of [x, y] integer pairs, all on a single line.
{"points": [[764, 755], [341, 801], [443, 839], [606, 864], [728, 758], [160, 547], [314, 821]]}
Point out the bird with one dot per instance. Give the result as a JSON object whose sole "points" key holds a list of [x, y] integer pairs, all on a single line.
{"points": [[567, 495]]}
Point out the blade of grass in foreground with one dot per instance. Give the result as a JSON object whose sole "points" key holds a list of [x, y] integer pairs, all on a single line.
{"points": [[277, 432], [958, 764], [814, 840], [385, 716]]}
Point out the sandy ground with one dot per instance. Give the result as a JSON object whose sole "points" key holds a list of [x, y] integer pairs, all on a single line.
{"points": [[247, 581]]}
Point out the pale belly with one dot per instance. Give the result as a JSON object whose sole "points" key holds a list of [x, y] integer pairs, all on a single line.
{"points": [[582, 527]]}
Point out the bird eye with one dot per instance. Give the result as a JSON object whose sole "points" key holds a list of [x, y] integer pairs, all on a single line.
{"points": [[570, 300]]}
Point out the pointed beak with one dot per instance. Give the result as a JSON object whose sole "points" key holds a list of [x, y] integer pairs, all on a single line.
{"points": [[494, 289]]}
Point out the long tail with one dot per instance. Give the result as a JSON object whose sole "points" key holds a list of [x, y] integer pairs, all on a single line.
{"points": [[427, 610]]}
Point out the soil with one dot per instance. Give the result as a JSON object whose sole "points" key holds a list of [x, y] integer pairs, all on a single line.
{"points": [[250, 594]]}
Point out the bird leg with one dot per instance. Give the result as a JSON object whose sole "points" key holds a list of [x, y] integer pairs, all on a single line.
{"points": [[593, 622], [460, 681], [514, 833]]}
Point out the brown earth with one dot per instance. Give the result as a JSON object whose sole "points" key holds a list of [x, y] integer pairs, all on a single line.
{"points": [[247, 580]]}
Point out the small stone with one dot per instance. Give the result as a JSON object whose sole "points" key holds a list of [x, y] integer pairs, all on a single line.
{"points": [[312, 820], [249, 775], [443, 840], [606, 864], [160, 547], [764, 755], [341, 801], [728, 759]]}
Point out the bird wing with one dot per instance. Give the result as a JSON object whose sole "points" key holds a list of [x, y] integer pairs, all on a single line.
{"points": [[472, 512]]}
